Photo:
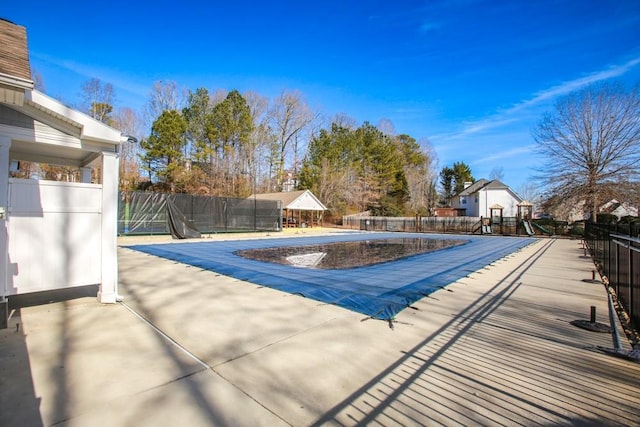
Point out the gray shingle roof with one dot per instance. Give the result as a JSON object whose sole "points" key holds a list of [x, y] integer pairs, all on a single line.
{"points": [[480, 184]]}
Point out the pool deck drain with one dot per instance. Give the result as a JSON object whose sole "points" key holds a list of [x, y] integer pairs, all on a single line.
{"points": [[497, 348]]}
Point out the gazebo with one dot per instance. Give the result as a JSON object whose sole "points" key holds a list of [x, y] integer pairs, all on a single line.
{"points": [[298, 207], [53, 234], [525, 210], [495, 213]]}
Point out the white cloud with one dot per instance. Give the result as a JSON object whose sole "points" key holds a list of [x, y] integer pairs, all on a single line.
{"points": [[514, 113], [507, 154], [570, 86], [106, 75]]}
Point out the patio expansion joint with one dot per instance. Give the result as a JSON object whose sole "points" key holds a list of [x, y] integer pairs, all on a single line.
{"points": [[271, 344], [204, 367], [160, 332]]}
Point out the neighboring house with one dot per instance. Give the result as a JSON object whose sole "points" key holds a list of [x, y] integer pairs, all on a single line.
{"points": [[52, 234], [619, 209], [298, 207], [579, 212], [487, 199]]}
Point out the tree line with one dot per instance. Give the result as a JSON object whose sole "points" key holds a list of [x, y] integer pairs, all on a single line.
{"points": [[225, 143]]}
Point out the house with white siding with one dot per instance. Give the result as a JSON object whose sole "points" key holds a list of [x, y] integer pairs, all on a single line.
{"points": [[485, 198]]}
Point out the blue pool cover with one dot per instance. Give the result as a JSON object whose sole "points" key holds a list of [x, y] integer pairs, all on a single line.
{"points": [[379, 291]]}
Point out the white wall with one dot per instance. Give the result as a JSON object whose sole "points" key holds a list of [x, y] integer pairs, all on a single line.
{"points": [[471, 206], [487, 198], [502, 198], [54, 235]]}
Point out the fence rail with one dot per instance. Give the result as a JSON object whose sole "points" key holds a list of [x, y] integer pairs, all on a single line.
{"points": [[460, 224], [414, 224], [616, 251]]}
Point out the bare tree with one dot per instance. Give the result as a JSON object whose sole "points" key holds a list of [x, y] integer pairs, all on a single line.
{"points": [[164, 96], [128, 122], [290, 116], [422, 180], [218, 96], [38, 81], [592, 143], [530, 192], [343, 120], [387, 127], [333, 186], [497, 173], [261, 139], [98, 100]]}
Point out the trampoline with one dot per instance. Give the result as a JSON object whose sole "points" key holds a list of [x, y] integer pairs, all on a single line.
{"points": [[380, 290]]}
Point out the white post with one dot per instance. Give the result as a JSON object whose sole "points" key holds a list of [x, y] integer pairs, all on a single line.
{"points": [[108, 292], [5, 144]]}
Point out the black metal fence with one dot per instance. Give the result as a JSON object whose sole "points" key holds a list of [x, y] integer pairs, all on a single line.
{"points": [[460, 224], [146, 213], [616, 251], [415, 224]]}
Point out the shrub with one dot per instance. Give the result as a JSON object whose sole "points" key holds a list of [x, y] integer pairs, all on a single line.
{"points": [[629, 220], [603, 218]]}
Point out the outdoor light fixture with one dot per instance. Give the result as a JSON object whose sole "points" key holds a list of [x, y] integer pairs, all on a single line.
{"points": [[128, 138]]}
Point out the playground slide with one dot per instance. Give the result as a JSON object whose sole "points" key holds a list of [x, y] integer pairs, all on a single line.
{"points": [[527, 228], [541, 228]]}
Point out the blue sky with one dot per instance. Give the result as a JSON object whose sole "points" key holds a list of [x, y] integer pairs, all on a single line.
{"points": [[471, 77]]}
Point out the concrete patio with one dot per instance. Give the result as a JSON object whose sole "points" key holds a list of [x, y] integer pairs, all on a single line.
{"points": [[193, 347]]}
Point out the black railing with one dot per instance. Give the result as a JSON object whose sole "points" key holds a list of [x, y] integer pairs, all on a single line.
{"points": [[460, 225], [415, 224], [616, 251]]}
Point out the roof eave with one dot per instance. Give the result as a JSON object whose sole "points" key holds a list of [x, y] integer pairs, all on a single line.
{"points": [[17, 82], [88, 127]]}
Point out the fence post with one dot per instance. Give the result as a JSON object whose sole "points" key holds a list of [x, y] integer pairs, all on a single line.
{"points": [[630, 279]]}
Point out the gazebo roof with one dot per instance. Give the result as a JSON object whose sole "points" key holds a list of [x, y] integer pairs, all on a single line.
{"points": [[302, 200]]}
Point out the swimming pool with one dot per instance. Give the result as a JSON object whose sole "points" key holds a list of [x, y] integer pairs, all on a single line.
{"points": [[359, 253], [379, 290]]}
